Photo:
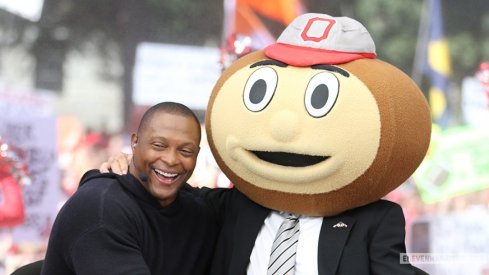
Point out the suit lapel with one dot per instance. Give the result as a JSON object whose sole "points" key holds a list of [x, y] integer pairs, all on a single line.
{"points": [[249, 221], [332, 239]]}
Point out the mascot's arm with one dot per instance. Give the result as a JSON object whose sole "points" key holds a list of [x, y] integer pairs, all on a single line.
{"points": [[218, 199], [388, 243]]}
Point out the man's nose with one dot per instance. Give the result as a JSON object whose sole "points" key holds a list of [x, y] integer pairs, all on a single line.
{"points": [[170, 157]]}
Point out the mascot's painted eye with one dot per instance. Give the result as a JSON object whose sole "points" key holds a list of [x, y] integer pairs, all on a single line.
{"points": [[260, 88], [321, 94]]}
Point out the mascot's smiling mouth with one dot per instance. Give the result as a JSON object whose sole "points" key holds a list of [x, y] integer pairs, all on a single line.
{"points": [[279, 166], [289, 159]]}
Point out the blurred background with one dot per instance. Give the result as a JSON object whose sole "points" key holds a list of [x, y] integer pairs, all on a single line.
{"points": [[76, 76]]}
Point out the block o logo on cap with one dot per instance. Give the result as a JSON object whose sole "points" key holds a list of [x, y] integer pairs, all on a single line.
{"points": [[317, 29]]}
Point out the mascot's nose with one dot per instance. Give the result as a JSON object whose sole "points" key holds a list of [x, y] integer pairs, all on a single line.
{"points": [[284, 126]]}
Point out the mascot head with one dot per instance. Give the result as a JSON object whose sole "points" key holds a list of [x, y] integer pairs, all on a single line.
{"points": [[316, 124]]}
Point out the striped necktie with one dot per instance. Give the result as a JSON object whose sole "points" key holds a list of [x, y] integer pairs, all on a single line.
{"points": [[282, 257]]}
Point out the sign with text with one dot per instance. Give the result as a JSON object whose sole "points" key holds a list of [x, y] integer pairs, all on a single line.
{"points": [[451, 244], [475, 102], [28, 122], [165, 72], [457, 163]]}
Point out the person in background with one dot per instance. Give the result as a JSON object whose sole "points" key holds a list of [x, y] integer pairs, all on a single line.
{"points": [[147, 221], [13, 176]]}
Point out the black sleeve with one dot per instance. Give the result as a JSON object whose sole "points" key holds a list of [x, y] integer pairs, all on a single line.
{"points": [[96, 234], [218, 199], [106, 251]]}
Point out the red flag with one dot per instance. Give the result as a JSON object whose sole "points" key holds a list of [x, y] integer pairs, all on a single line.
{"points": [[247, 23], [283, 11], [243, 30]]}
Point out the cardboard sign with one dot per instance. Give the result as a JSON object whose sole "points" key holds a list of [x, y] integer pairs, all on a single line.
{"points": [[28, 122], [457, 163]]}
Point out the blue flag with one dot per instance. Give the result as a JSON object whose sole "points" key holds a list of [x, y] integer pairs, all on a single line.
{"points": [[438, 66]]}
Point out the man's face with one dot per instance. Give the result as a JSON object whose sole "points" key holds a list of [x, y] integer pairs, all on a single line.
{"points": [[166, 151]]}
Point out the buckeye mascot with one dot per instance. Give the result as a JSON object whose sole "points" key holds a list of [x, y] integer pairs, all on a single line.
{"points": [[313, 131]]}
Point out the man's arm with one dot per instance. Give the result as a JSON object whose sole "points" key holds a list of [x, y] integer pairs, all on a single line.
{"points": [[106, 251], [217, 198], [98, 252], [95, 235]]}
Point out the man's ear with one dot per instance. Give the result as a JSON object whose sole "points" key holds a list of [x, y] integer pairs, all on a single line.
{"points": [[134, 140]]}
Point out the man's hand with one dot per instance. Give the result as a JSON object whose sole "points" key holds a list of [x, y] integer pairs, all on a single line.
{"points": [[117, 164]]}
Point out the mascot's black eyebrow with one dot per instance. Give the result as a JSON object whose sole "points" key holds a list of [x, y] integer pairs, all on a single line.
{"points": [[331, 68], [268, 62], [316, 67]]}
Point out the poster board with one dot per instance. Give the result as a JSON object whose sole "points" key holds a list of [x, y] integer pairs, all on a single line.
{"points": [[457, 163], [28, 122], [181, 73], [451, 244]]}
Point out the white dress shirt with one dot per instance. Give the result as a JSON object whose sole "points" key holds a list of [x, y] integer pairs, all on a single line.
{"points": [[307, 248]]}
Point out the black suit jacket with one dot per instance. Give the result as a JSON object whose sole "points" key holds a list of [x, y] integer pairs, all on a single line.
{"points": [[370, 243]]}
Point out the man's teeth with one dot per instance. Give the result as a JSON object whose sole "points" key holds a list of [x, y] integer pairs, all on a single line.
{"points": [[165, 174]]}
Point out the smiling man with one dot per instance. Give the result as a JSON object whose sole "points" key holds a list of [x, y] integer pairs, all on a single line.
{"points": [[165, 150], [145, 222]]}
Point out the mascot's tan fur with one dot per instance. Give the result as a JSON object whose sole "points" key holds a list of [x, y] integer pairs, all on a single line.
{"points": [[371, 141]]}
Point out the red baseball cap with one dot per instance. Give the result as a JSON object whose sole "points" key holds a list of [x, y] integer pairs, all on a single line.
{"points": [[315, 38]]}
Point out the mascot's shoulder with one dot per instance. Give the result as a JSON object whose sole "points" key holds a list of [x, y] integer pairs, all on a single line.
{"points": [[378, 208]]}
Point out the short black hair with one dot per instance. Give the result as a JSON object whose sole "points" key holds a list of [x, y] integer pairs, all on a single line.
{"points": [[168, 107]]}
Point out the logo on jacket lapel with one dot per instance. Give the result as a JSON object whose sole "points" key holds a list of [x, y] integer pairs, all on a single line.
{"points": [[340, 224]]}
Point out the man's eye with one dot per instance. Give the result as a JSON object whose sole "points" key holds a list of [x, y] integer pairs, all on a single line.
{"points": [[187, 152]]}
